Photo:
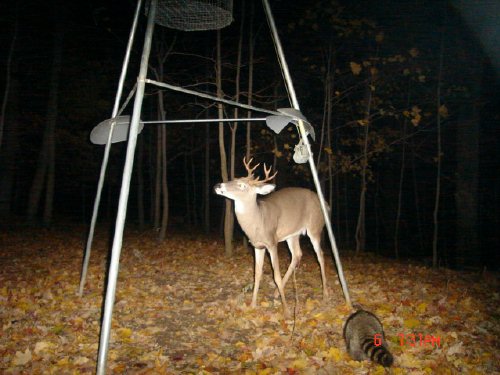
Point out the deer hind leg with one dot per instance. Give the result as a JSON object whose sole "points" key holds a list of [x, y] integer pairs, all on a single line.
{"points": [[316, 242], [273, 252], [259, 264], [296, 251]]}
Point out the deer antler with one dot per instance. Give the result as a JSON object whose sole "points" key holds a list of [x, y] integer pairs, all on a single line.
{"points": [[249, 169], [267, 171], [256, 180]]}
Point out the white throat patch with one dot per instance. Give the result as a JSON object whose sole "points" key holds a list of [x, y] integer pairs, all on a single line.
{"points": [[239, 207]]}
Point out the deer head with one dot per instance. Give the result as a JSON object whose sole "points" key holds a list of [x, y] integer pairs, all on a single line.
{"points": [[246, 188]]}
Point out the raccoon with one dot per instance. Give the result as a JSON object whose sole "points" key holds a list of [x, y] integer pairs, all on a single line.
{"points": [[359, 335]]}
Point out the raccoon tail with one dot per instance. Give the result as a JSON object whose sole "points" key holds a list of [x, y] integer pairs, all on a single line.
{"points": [[378, 354]]}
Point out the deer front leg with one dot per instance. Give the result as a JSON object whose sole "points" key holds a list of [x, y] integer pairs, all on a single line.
{"points": [[273, 252], [259, 264]]}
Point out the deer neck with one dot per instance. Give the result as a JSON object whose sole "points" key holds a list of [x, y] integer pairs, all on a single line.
{"points": [[249, 215]]}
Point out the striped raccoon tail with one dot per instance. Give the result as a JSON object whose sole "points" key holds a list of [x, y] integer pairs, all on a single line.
{"points": [[379, 354]]}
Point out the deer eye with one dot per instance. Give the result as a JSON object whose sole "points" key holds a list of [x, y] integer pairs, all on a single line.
{"points": [[242, 185]]}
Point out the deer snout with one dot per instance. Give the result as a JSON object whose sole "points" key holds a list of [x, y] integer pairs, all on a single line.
{"points": [[219, 188]]}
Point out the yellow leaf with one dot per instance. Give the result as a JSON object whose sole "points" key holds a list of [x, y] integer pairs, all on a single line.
{"points": [[379, 37], [20, 359], [415, 121], [421, 78], [443, 111], [311, 304], [78, 361], [124, 334], [411, 323], [265, 371], [414, 52], [63, 362], [421, 308], [300, 364], [355, 68], [334, 354], [42, 346], [379, 370]]}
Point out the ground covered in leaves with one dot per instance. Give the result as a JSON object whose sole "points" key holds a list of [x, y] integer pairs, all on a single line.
{"points": [[183, 307]]}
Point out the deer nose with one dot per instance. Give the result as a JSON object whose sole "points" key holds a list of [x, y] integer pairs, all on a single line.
{"points": [[218, 188]]}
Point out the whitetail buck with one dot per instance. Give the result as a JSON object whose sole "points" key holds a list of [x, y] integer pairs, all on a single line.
{"points": [[281, 216]]}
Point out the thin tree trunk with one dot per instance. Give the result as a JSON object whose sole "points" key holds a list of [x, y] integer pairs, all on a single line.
{"points": [[400, 195], [8, 77], [248, 145], [347, 238], [162, 156], [206, 182], [44, 174], [161, 207], [327, 107], [164, 186], [377, 216], [435, 214], [401, 180], [228, 227], [187, 192], [152, 139], [360, 227], [140, 182], [251, 44], [9, 153], [194, 185], [49, 191], [416, 199]]}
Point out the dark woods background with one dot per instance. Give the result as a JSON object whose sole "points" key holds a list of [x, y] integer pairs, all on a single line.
{"points": [[386, 84]]}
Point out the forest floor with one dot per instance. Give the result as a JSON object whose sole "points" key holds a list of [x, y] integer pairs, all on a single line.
{"points": [[182, 307]]}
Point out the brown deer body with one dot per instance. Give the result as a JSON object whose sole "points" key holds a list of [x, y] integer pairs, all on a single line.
{"points": [[284, 215]]}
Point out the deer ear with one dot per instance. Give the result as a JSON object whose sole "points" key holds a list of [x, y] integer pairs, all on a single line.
{"points": [[265, 189]]}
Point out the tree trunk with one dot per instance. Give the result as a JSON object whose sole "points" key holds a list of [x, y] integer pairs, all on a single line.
{"points": [[251, 44], [164, 186], [158, 173], [206, 182], [466, 196], [44, 175], [416, 199], [435, 214], [248, 143], [187, 193], [9, 152], [8, 78], [360, 227], [194, 185], [401, 180], [140, 182], [228, 213]]}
